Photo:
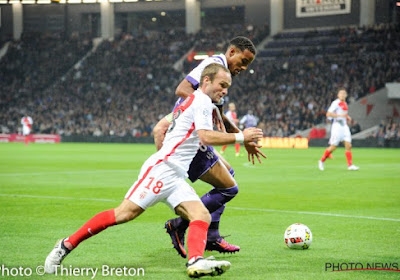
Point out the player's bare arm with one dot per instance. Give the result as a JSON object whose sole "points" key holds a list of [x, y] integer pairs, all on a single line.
{"points": [[184, 89], [229, 126], [210, 137], [159, 131]]}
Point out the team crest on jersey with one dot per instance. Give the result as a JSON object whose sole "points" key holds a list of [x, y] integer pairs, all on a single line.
{"points": [[143, 195], [205, 112]]}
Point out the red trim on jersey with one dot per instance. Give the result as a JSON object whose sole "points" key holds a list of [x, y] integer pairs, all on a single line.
{"points": [[165, 158], [234, 116], [343, 105], [144, 177], [180, 142], [27, 123], [185, 104]]}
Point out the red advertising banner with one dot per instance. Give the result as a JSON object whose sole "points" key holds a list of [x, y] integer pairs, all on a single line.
{"points": [[33, 138]]}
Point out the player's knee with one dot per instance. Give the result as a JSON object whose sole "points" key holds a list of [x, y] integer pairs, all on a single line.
{"points": [[206, 216], [230, 192], [202, 215], [126, 212]]}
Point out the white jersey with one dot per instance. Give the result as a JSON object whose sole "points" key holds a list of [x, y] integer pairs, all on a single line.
{"points": [[26, 125], [339, 130], [340, 108], [194, 76], [232, 116], [182, 141], [27, 121]]}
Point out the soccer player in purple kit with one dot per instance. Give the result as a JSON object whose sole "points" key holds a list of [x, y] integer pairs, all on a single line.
{"points": [[208, 165]]}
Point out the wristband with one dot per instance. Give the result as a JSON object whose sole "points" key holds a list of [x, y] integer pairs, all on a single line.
{"points": [[239, 137]]}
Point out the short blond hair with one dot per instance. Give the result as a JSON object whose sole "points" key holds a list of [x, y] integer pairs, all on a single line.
{"points": [[211, 70]]}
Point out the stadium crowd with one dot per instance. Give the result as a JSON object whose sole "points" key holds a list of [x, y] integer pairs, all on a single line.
{"points": [[125, 86], [387, 133]]}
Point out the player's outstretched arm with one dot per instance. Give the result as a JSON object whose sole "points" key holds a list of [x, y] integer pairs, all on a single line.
{"points": [[184, 89], [211, 137], [217, 119], [159, 131], [229, 125]]}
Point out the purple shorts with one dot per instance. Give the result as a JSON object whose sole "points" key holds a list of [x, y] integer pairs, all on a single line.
{"points": [[202, 162]]}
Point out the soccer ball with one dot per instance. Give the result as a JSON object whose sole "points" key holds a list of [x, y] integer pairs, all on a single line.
{"points": [[298, 236]]}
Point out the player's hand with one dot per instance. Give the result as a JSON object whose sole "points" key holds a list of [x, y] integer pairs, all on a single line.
{"points": [[253, 150], [252, 134], [217, 120]]}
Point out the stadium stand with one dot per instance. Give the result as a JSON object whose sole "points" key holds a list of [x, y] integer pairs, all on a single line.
{"points": [[125, 86]]}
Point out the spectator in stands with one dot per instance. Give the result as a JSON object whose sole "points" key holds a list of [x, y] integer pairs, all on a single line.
{"points": [[248, 120], [380, 136], [354, 127]]}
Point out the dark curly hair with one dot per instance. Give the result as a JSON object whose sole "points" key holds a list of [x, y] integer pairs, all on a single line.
{"points": [[243, 43]]}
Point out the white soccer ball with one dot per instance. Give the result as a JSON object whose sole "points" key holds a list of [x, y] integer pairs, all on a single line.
{"points": [[298, 236]]}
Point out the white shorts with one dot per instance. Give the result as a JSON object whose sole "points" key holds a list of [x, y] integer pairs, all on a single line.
{"points": [[339, 133], [26, 130], [160, 183]]}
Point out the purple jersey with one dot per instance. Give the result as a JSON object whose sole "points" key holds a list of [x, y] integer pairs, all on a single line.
{"points": [[194, 76], [205, 157]]}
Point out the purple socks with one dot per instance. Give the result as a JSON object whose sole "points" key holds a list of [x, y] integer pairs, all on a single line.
{"points": [[214, 201]]}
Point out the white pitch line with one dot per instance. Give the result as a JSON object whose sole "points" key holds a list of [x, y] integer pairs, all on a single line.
{"points": [[57, 197], [233, 208], [69, 172], [315, 213]]}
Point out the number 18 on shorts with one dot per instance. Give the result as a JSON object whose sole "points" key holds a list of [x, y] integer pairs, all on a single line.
{"points": [[160, 183]]}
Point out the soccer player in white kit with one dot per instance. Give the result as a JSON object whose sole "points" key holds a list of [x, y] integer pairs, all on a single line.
{"points": [[208, 165], [232, 116], [340, 131], [26, 122], [162, 177]]}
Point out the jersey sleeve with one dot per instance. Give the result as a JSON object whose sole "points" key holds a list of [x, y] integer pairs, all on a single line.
{"points": [[333, 107], [203, 115], [194, 76]]}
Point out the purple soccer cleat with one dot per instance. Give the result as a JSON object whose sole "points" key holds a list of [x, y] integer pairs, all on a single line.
{"points": [[222, 246], [177, 237]]}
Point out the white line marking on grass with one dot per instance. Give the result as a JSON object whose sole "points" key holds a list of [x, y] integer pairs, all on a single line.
{"points": [[234, 208], [70, 172], [315, 213], [58, 197], [250, 165]]}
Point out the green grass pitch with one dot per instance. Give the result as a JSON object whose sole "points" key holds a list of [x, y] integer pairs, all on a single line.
{"points": [[48, 191]]}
